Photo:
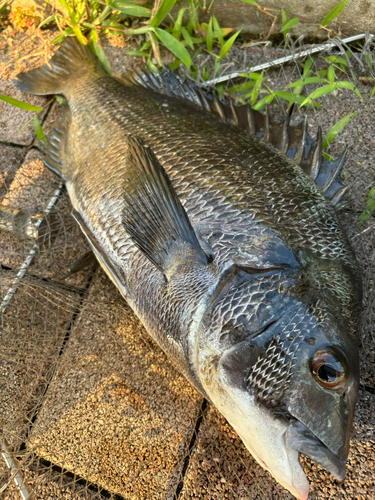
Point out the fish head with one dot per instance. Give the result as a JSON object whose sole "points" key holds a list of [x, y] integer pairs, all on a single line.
{"points": [[283, 372]]}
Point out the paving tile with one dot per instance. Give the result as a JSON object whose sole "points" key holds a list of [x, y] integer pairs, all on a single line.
{"points": [[117, 412], [11, 159]]}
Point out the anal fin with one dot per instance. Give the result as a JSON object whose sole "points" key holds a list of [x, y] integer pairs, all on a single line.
{"points": [[153, 215]]}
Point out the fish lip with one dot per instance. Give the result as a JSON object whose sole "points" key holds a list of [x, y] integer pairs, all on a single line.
{"points": [[299, 438]]}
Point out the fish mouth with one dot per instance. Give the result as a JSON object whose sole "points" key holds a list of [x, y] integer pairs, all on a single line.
{"points": [[298, 438]]}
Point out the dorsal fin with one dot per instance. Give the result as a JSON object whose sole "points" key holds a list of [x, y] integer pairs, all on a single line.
{"points": [[153, 215], [292, 140]]}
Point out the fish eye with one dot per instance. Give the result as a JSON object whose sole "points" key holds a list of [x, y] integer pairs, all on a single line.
{"points": [[328, 370]]}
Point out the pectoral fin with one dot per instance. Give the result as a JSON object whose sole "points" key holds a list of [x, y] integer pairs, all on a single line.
{"points": [[153, 215]]}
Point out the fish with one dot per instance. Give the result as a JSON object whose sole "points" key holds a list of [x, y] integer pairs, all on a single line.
{"points": [[219, 227]]}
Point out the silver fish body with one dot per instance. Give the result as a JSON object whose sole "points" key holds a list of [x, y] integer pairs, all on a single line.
{"points": [[257, 303]]}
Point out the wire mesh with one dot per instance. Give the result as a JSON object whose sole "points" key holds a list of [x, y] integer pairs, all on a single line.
{"points": [[90, 406]]}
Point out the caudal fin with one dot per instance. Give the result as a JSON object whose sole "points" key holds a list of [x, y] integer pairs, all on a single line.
{"points": [[71, 61]]}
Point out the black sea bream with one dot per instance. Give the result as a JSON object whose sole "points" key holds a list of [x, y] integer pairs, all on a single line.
{"points": [[218, 226]]}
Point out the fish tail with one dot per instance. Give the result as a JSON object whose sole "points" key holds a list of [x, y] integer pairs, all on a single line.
{"points": [[72, 61]]}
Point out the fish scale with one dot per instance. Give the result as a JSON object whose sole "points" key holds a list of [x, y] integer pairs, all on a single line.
{"points": [[229, 252]]}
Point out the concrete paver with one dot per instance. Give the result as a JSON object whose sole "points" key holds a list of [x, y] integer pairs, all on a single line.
{"points": [[117, 412]]}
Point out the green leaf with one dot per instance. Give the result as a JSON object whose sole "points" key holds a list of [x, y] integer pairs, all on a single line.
{"points": [[263, 102], [284, 19], [304, 81], [290, 24], [220, 90], [47, 20], [350, 86], [98, 51], [194, 19], [77, 30], [337, 128], [209, 38], [178, 23], [217, 31], [243, 87], [334, 13], [372, 93], [187, 38], [295, 98], [251, 2], [60, 38], [162, 12], [253, 76], [38, 129], [131, 8], [337, 59], [151, 65], [307, 67], [139, 31], [369, 207], [228, 45], [256, 89], [331, 74], [174, 46], [326, 89], [19, 104]]}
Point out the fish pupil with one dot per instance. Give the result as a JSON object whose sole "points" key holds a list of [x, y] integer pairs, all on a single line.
{"points": [[328, 373]]}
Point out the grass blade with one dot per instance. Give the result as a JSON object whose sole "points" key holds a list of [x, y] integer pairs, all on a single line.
{"points": [[98, 51], [304, 81], [38, 129], [263, 102], [350, 86], [77, 30], [60, 38], [256, 89], [209, 37], [162, 12], [326, 89], [177, 25], [187, 38], [334, 13], [294, 98], [331, 74], [337, 128], [174, 46], [19, 104], [131, 8], [228, 45], [217, 31], [242, 87], [194, 18], [289, 25]]}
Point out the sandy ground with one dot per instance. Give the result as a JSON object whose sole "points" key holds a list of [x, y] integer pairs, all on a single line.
{"points": [[92, 407]]}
